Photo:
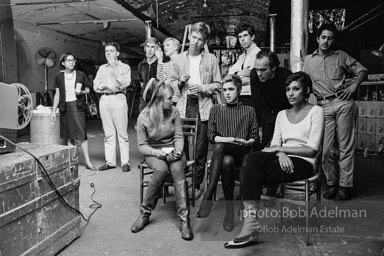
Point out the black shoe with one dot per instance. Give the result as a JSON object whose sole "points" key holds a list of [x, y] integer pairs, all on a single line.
{"points": [[106, 167], [342, 194], [229, 222], [331, 192], [243, 241], [92, 168], [205, 209], [126, 168]]}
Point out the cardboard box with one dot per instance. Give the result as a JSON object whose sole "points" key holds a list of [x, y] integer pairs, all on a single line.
{"points": [[362, 125], [379, 126], [371, 109], [371, 142], [379, 109], [363, 106], [371, 125], [361, 141]]}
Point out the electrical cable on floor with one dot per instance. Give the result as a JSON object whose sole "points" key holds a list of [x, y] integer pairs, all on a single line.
{"points": [[96, 205]]}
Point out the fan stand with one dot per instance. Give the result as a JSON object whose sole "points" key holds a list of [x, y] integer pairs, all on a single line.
{"points": [[44, 94]]}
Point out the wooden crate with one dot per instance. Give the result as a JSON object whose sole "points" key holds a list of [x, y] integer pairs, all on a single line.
{"points": [[33, 221]]}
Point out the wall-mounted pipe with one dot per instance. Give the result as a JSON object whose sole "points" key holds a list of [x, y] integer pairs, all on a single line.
{"points": [[272, 32], [299, 34], [2, 49], [148, 25]]}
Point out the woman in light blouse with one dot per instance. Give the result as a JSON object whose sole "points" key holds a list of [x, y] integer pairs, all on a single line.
{"points": [[292, 155]]}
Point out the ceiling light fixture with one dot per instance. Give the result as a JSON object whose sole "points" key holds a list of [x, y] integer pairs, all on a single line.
{"points": [[379, 52], [205, 4]]}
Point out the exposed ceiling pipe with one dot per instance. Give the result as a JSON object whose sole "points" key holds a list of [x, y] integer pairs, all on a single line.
{"points": [[299, 34], [82, 22], [272, 32], [148, 25], [50, 2], [359, 25], [2, 49], [362, 16]]}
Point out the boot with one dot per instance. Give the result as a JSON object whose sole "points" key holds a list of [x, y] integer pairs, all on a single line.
{"points": [[229, 219], [250, 232], [148, 205], [181, 192]]}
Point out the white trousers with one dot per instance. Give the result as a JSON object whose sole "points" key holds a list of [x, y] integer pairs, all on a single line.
{"points": [[114, 116]]}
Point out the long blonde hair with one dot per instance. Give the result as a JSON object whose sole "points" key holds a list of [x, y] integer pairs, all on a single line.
{"points": [[155, 106]]}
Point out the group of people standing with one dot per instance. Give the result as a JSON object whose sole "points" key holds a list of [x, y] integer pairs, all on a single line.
{"points": [[262, 123]]}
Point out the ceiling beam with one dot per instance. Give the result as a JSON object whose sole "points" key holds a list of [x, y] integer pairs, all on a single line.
{"points": [[142, 17], [50, 2], [82, 22]]}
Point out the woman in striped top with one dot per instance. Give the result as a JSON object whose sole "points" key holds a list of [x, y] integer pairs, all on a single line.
{"points": [[233, 128]]}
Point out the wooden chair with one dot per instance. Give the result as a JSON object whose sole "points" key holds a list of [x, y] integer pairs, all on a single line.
{"points": [[190, 129], [207, 171], [309, 186]]}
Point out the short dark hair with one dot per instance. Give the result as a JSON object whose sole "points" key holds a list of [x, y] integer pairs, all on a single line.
{"points": [[202, 28], [273, 60], [327, 26], [245, 27], [235, 79], [302, 78], [114, 44], [64, 57]]}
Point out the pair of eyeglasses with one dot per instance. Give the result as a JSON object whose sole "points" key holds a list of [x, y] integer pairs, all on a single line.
{"points": [[70, 60]]}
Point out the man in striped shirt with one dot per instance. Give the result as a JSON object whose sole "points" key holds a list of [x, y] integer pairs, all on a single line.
{"points": [[164, 69], [197, 75]]}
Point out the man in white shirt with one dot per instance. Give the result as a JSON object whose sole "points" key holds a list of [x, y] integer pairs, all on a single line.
{"points": [[246, 61], [111, 81]]}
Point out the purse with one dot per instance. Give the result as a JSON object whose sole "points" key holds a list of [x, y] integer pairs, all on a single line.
{"points": [[90, 106]]}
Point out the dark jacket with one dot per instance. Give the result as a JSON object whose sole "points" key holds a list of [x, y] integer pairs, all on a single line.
{"points": [[59, 83], [146, 72]]}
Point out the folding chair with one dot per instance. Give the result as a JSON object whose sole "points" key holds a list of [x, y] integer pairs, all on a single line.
{"points": [[190, 129], [309, 186]]}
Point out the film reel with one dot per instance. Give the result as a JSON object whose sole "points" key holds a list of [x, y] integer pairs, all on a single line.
{"points": [[25, 105]]}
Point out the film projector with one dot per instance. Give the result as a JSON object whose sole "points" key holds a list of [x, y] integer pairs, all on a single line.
{"points": [[15, 113]]}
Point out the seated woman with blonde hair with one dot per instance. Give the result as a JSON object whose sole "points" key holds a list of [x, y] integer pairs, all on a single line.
{"points": [[158, 130]]}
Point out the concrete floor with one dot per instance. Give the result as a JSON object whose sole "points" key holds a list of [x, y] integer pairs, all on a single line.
{"points": [[108, 232]]}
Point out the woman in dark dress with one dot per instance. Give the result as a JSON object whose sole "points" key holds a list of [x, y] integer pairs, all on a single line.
{"points": [[71, 85], [232, 128]]}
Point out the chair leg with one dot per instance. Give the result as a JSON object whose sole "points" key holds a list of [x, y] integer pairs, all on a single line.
{"points": [[193, 185], [141, 184], [307, 212]]}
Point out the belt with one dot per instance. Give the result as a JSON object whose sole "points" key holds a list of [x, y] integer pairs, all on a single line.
{"points": [[111, 93], [329, 97]]}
